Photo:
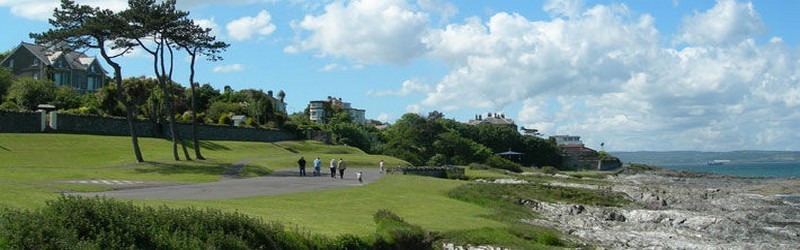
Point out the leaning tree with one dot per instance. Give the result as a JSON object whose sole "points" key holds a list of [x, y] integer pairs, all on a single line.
{"points": [[154, 26], [196, 40], [78, 27]]}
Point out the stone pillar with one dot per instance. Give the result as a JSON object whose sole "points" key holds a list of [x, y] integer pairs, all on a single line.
{"points": [[42, 119], [54, 120]]}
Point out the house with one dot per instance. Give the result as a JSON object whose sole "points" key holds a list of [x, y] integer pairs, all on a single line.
{"points": [[493, 119], [563, 140], [319, 111], [278, 103], [576, 155], [73, 69]]}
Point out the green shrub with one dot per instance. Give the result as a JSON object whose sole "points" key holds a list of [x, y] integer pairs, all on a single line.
{"points": [[225, 119], [93, 223], [496, 161], [27, 93], [394, 233], [349, 242], [549, 170]]}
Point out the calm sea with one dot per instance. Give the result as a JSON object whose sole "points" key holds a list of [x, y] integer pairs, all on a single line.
{"points": [[774, 170]]}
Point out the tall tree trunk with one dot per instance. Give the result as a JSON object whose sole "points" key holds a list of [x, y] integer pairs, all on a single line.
{"points": [[159, 56], [128, 109], [195, 140], [169, 78]]}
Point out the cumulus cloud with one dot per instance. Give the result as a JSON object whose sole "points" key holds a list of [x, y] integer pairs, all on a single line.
{"points": [[228, 68], [444, 8], [246, 27], [604, 73], [43, 9], [375, 31], [727, 22], [338, 67], [408, 87], [209, 24]]}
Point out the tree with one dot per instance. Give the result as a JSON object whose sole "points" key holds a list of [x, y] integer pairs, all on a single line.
{"points": [[67, 98], [28, 93], [158, 23], [197, 41], [82, 27], [6, 78]]}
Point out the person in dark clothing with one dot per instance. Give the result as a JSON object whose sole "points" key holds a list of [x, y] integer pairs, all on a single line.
{"points": [[302, 164], [341, 168]]}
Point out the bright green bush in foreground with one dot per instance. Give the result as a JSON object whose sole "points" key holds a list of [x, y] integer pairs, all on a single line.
{"points": [[98, 223]]}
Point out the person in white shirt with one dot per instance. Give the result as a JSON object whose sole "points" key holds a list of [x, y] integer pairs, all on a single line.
{"points": [[333, 168]]}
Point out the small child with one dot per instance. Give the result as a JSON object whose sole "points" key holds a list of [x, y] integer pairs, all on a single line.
{"points": [[358, 175]]}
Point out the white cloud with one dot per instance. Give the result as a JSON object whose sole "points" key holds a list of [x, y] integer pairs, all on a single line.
{"points": [[43, 9], [568, 8], [444, 8], [246, 27], [408, 87], [228, 68], [376, 31], [606, 75], [383, 117], [209, 24], [728, 22], [338, 67]]}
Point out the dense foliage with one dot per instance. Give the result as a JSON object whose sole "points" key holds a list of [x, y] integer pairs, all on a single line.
{"points": [[96, 223], [435, 140]]}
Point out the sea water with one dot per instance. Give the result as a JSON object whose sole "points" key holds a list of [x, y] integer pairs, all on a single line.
{"points": [[770, 170]]}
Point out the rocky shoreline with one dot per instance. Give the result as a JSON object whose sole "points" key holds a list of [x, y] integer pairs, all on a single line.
{"points": [[682, 210]]}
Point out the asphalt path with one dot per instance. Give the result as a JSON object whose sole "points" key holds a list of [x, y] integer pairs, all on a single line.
{"points": [[283, 181]]}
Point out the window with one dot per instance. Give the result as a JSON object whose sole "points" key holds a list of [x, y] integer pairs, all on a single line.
{"points": [[35, 62], [11, 64]]}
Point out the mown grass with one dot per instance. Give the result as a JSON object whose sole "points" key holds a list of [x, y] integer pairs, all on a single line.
{"points": [[419, 200]]}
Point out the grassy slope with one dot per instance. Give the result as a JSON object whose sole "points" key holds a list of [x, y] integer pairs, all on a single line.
{"points": [[419, 200], [28, 178]]}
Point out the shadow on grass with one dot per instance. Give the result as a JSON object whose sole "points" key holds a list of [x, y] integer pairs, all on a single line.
{"points": [[208, 145], [4, 148], [177, 168]]}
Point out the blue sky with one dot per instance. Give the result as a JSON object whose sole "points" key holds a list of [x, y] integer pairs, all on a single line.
{"points": [[637, 75]]}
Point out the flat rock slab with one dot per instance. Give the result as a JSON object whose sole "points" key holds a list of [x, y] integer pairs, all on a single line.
{"points": [[283, 181]]}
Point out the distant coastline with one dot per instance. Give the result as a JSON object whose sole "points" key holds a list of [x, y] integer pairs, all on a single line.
{"points": [[770, 164]]}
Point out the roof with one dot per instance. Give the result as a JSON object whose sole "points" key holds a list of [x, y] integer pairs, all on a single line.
{"points": [[510, 153], [76, 60]]}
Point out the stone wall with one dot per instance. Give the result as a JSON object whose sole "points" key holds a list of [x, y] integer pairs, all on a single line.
{"points": [[20, 122], [96, 125], [439, 172]]}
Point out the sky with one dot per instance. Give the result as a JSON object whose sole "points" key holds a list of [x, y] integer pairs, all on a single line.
{"points": [[635, 75]]}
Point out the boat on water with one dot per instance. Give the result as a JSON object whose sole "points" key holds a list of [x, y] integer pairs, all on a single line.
{"points": [[717, 162]]}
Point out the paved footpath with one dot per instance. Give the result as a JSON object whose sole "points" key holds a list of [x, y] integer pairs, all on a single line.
{"points": [[279, 182]]}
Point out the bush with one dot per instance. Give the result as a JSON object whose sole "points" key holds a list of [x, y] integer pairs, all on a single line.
{"points": [[394, 233], [549, 170], [67, 98], [28, 93], [93, 223], [225, 119], [496, 161]]}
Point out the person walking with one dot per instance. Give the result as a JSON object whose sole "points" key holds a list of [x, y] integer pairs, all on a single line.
{"points": [[333, 168], [317, 165], [342, 166], [381, 165], [302, 164]]}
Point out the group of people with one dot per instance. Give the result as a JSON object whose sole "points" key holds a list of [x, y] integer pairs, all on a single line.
{"points": [[340, 165]]}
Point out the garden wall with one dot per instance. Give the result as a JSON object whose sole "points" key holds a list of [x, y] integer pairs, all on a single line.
{"points": [[20, 122]]}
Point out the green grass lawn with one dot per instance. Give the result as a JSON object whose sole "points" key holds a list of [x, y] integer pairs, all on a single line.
{"points": [[35, 168], [419, 200]]}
